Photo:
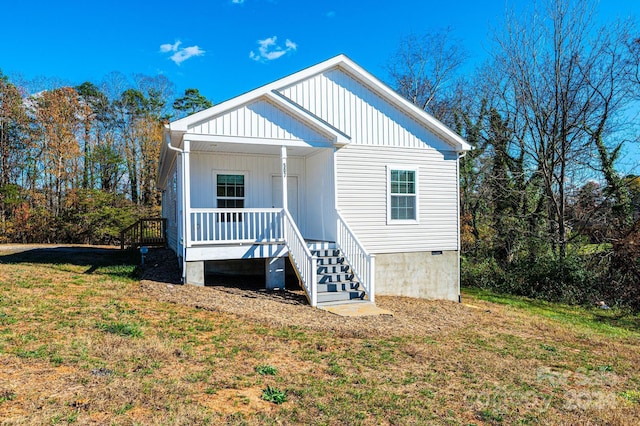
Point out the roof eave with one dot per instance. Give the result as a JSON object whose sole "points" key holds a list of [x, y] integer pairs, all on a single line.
{"points": [[435, 125]]}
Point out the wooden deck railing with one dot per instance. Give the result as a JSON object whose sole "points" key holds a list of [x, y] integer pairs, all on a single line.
{"points": [[145, 232]]}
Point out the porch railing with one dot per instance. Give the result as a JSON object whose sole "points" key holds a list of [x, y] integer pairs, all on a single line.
{"points": [[362, 263], [145, 232], [223, 226], [304, 262]]}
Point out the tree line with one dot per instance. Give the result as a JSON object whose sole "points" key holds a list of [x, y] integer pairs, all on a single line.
{"points": [[79, 163], [545, 209]]}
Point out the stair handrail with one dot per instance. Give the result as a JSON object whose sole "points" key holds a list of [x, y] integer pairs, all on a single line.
{"points": [[302, 259], [362, 262], [134, 234], [129, 235]]}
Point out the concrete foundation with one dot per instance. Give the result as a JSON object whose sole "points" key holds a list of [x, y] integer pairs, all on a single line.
{"points": [[427, 275], [195, 273], [274, 273]]}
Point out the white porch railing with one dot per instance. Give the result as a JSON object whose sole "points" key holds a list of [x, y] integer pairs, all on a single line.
{"points": [[304, 262], [362, 263], [224, 226]]}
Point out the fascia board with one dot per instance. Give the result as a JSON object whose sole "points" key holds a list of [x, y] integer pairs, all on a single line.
{"points": [[252, 95], [412, 110]]}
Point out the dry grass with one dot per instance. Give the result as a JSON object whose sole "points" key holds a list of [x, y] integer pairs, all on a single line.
{"points": [[82, 342]]}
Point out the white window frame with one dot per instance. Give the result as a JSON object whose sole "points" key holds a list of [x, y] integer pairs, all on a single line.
{"points": [[216, 173], [413, 169]]}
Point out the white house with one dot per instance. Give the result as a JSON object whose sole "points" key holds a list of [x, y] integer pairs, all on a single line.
{"points": [[328, 167]]}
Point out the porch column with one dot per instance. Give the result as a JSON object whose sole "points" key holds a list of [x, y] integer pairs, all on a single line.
{"points": [[187, 191], [283, 157]]}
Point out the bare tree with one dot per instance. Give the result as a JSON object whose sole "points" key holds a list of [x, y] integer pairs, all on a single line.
{"points": [[563, 82], [425, 67]]}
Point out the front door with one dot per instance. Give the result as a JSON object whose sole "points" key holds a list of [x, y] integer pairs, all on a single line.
{"points": [[292, 194]]}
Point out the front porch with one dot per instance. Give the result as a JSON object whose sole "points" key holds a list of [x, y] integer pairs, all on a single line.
{"points": [[329, 272], [259, 190]]}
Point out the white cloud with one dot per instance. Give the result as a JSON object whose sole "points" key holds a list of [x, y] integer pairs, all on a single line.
{"points": [[331, 14], [290, 45], [237, 1], [181, 54], [269, 50], [164, 48]]}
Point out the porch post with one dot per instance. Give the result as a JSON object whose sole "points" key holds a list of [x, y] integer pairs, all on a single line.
{"points": [[283, 157], [186, 173]]}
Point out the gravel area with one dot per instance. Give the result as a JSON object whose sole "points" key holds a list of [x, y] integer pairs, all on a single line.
{"points": [[411, 317]]}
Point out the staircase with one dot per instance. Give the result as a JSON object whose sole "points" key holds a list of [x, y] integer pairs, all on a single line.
{"points": [[336, 281]]}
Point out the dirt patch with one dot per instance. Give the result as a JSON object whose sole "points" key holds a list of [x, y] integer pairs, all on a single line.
{"points": [[411, 317]]}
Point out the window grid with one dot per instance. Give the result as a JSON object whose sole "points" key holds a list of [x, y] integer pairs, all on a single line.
{"points": [[230, 193], [403, 195]]}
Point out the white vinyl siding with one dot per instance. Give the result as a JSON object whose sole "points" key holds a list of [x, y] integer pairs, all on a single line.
{"points": [[362, 198], [356, 110], [259, 119]]}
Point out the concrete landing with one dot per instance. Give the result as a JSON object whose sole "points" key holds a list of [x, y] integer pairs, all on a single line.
{"points": [[356, 309]]}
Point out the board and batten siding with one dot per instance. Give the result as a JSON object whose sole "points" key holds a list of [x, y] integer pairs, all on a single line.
{"points": [[362, 198], [350, 106], [321, 216], [258, 169], [259, 119]]}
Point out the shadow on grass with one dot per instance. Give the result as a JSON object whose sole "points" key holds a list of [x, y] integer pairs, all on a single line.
{"points": [[98, 260], [605, 320]]}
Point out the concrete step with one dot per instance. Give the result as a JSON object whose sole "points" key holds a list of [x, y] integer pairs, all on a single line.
{"points": [[332, 269], [335, 296], [335, 278], [335, 287]]}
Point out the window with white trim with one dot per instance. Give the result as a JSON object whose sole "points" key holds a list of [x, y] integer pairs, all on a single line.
{"points": [[230, 191], [402, 194], [230, 194]]}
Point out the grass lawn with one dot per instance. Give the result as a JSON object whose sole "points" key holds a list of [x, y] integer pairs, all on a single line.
{"points": [[81, 344]]}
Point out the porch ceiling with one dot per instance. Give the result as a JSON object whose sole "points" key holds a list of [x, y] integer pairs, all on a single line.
{"points": [[261, 149]]}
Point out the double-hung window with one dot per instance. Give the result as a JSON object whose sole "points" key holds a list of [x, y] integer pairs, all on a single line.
{"points": [[402, 194], [230, 194]]}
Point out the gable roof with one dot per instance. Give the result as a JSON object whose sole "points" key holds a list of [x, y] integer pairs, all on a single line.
{"points": [[271, 92]]}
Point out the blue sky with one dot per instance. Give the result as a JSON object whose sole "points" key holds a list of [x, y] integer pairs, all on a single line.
{"points": [[227, 47]]}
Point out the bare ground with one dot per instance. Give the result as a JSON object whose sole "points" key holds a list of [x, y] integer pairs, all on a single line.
{"points": [[161, 280]]}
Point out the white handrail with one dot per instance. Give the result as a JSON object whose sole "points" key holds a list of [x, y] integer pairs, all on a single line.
{"points": [[362, 262], [224, 226], [304, 262]]}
